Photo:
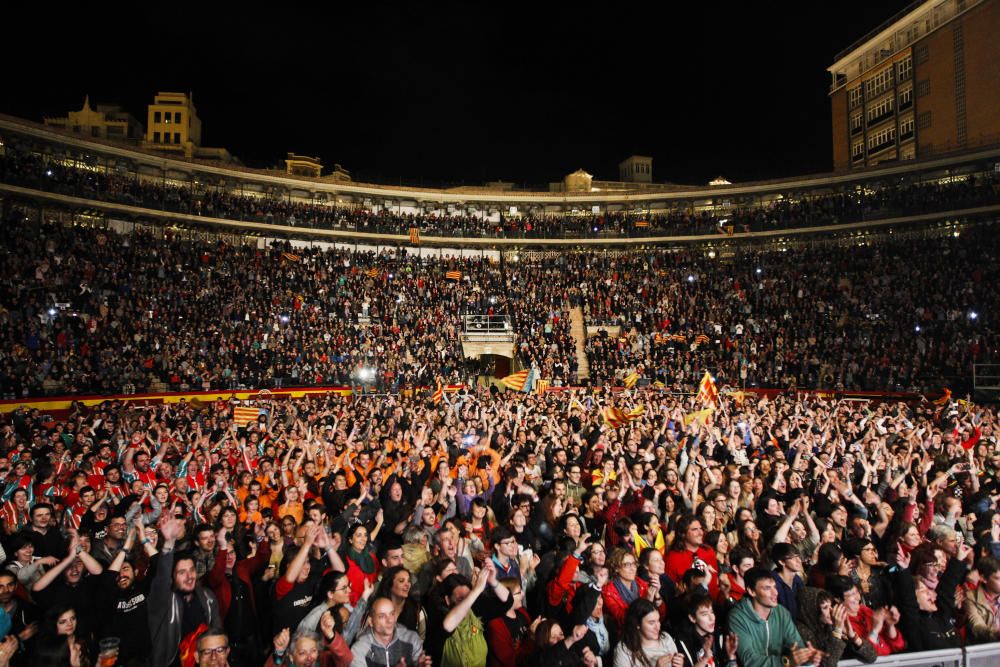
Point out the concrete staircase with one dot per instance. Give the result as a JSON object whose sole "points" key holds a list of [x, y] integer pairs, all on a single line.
{"points": [[578, 330]]}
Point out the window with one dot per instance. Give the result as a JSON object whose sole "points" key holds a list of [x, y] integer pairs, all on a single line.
{"points": [[156, 116], [156, 137], [855, 122], [177, 116], [881, 139], [904, 69], [906, 128], [924, 120], [923, 87], [906, 98], [177, 137], [920, 54], [858, 149], [880, 110], [879, 83], [854, 95]]}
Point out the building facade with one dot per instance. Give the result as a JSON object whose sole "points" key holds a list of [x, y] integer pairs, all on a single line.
{"points": [[924, 83], [104, 122]]}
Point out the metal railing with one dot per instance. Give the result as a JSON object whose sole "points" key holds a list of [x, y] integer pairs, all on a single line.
{"points": [[980, 655]]}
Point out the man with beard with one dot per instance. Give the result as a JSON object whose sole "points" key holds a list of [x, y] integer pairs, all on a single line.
{"points": [[122, 603], [23, 615]]}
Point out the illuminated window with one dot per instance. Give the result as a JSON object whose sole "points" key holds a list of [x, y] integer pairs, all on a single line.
{"points": [[854, 95], [904, 69], [877, 111], [879, 83]]}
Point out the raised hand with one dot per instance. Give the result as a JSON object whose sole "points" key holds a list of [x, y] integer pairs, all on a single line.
{"points": [[732, 643], [281, 641]]}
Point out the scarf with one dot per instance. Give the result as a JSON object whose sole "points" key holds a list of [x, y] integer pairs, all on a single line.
{"points": [[629, 594], [362, 559], [597, 626]]}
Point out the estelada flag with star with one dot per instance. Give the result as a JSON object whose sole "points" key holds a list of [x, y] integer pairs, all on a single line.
{"points": [[707, 393]]}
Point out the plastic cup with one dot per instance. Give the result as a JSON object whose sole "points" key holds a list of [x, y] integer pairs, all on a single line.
{"points": [[108, 655]]}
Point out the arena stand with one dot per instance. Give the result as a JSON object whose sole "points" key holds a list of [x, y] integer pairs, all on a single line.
{"points": [[721, 461]]}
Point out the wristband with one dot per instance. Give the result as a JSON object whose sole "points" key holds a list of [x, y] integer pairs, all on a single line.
{"points": [[144, 541]]}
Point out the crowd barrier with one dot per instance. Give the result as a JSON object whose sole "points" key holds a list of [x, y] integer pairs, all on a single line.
{"points": [[981, 655]]}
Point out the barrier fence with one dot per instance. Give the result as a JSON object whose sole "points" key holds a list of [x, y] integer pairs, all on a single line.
{"points": [[981, 655]]}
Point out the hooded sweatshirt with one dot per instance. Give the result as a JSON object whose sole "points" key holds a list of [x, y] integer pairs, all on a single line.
{"points": [[763, 643]]}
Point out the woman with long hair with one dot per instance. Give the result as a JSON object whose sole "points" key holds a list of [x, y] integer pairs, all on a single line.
{"points": [[643, 644], [395, 585], [60, 624], [359, 557]]}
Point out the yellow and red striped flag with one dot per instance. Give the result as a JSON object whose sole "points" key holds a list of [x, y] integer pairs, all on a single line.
{"points": [[701, 339], [290, 257], [631, 379], [517, 381], [642, 223], [372, 273], [614, 417], [415, 235], [541, 386], [707, 393], [453, 275], [636, 412], [244, 415], [438, 394], [699, 416], [679, 338]]}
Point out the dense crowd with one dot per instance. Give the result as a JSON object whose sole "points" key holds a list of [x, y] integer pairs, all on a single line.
{"points": [[83, 310], [498, 529], [24, 163]]}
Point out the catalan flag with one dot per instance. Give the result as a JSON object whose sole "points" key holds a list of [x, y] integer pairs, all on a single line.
{"points": [[453, 275], [438, 394], [631, 379], [701, 339], [707, 393], [679, 338], [944, 398], [738, 397], [415, 235], [659, 385], [244, 415], [372, 272], [541, 386], [642, 223], [290, 257], [520, 381], [614, 417], [636, 412], [699, 416]]}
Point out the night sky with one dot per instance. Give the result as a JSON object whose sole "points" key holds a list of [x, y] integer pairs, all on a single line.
{"points": [[444, 94]]}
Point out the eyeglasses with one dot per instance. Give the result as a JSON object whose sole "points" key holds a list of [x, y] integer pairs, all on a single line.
{"points": [[218, 650], [630, 563], [342, 589]]}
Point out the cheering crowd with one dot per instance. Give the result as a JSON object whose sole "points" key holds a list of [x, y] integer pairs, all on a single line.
{"points": [[86, 311], [23, 162], [497, 528]]}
